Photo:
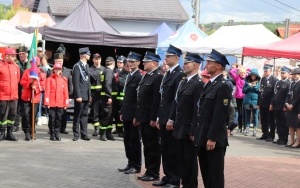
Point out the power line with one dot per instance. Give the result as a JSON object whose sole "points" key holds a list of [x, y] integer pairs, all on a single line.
{"points": [[278, 7], [287, 5]]}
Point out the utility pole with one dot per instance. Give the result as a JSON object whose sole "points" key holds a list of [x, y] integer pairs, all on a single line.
{"points": [[197, 11], [287, 28]]}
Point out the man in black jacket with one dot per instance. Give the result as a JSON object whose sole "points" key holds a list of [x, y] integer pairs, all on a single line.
{"points": [[168, 89], [183, 115], [82, 95], [132, 138], [148, 98], [266, 92], [210, 133]]}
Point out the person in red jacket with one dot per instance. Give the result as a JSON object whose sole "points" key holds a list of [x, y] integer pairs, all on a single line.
{"points": [[9, 79], [56, 99], [32, 79]]}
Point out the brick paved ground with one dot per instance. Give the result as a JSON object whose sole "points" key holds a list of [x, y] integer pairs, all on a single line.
{"points": [[43, 164]]}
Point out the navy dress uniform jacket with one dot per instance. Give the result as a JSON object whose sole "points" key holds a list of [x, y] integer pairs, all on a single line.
{"points": [[280, 93], [130, 98], [184, 109], [148, 97], [81, 87], [266, 91], [213, 114], [168, 89]]}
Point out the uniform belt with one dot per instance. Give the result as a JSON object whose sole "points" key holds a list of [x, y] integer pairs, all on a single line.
{"points": [[96, 87]]}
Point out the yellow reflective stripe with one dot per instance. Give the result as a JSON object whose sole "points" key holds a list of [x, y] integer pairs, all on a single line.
{"points": [[122, 93], [114, 93], [102, 77], [96, 87], [3, 122], [102, 93], [96, 124], [120, 125], [120, 98], [109, 127], [10, 122], [103, 128]]}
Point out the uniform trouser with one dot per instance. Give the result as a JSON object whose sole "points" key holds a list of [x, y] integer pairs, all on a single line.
{"points": [[282, 129], [267, 122], [55, 115], [63, 121], [212, 167], [116, 107], [95, 108], [241, 112], [133, 146], [152, 153], [18, 114], [187, 162], [81, 110], [8, 110], [105, 121], [27, 115], [169, 159]]}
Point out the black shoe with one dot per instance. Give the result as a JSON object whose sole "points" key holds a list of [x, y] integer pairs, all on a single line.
{"points": [[261, 138], [96, 133], [275, 141], [110, 137], [75, 138], [86, 138], [170, 186], [27, 136], [149, 178], [52, 138], [64, 132], [58, 138], [159, 183], [281, 142], [10, 136], [132, 171], [124, 169], [269, 140], [140, 177]]}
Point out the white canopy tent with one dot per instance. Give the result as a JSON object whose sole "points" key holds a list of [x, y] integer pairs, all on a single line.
{"points": [[11, 37], [230, 40]]}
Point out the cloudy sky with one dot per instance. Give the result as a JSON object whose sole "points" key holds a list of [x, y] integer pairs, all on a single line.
{"points": [[242, 10], [246, 10]]}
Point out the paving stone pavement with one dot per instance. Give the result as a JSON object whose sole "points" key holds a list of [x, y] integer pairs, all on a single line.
{"points": [[88, 164]]}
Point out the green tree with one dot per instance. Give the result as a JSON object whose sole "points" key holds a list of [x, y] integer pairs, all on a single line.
{"points": [[7, 12]]}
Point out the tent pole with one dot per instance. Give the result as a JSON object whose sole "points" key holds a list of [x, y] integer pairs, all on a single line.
{"points": [[274, 66], [242, 60]]}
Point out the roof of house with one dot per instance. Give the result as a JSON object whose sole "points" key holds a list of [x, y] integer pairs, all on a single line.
{"points": [[161, 10], [294, 29]]}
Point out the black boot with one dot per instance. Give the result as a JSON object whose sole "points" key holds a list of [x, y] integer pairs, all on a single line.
{"points": [[9, 135], [16, 128], [27, 136], [57, 137], [2, 134], [103, 135], [109, 136], [96, 131]]}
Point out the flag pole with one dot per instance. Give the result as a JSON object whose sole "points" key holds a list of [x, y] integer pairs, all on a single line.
{"points": [[33, 118]]}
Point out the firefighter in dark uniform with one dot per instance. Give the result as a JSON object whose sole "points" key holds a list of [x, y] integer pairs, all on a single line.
{"points": [[168, 89], [148, 98], [183, 115], [278, 103], [121, 78], [67, 73], [116, 105], [266, 92], [24, 64], [109, 89], [82, 95], [132, 136], [210, 133], [96, 78]]}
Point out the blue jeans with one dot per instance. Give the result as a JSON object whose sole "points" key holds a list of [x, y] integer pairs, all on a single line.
{"points": [[254, 117]]}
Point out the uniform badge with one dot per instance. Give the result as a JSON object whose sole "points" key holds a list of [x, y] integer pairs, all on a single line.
{"points": [[225, 102]]}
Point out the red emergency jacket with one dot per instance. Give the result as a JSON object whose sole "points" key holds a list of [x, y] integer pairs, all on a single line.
{"points": [[56, 92], [9, 79], [26, 86]]}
